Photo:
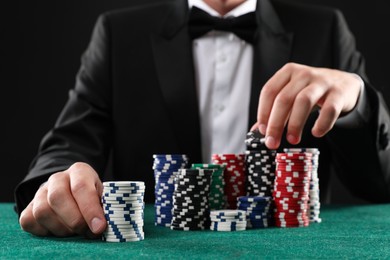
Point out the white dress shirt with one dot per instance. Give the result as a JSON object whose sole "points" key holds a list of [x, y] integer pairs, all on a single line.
{"points": [[223, 74]]}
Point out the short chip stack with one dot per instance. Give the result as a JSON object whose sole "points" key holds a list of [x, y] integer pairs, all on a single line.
{"points": [[291, 192], [217, 194], [314, 193], [191, 199], [234, 176], [257, 209], [228, 220], [165, 168], [259, 165], [123, 205]]}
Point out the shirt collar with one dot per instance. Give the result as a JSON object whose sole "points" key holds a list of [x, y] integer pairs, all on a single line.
{"points": [[244, 8]]}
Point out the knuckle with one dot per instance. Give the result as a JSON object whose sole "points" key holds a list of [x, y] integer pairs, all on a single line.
{"points": [[283, 100], [41, 213], [80, 167], [78, 186], [331, 110], [304, 73], [289, 66], [27, 221], [56, 197], [267, 91], [304, 98]]}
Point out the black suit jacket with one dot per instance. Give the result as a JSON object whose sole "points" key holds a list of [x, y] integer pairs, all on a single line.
{"points": [[135, 96]]}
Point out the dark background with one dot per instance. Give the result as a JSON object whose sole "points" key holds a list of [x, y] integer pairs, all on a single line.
{"points": [[40, 54]]}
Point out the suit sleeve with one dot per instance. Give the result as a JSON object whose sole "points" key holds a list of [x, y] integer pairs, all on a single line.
{"points": [[82, 132], [361, 154]]}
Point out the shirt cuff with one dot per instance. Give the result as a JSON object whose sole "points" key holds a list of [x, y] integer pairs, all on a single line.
{"points": [[360, 114]]}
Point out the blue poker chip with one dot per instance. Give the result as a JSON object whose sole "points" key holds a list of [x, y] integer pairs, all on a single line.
{"points": [[120, 200]]}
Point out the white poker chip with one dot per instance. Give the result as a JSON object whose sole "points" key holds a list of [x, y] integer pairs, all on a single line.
{"points": [[124, 200], [133, 219], [229, 225], [227, 229], [123, 233], [131, 212], [124, 183], [122, 240], [227, 212]]}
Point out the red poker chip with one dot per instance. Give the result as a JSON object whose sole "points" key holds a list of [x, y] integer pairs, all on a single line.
{"points": [[292, 179], [296, 175], [290, 195], [289, 201], [291, 224], [296, 165], [291, 176], [293, 183], [286, 170], [295, 219], [294, 156], [290, 189], [305, 162], [284, 207], [287, 209], [292, 172], [291, 204], [280, 194], [293, 167], [296, 216]]}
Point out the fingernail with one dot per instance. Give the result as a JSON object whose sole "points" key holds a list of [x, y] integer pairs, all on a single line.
{"points": [[96, 225], [270, 142], [263, 129], [292, 139]]}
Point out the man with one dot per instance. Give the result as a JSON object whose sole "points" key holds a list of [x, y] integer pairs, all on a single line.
{"points": [[146, 87]]}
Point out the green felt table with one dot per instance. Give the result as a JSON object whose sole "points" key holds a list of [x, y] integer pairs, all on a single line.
{"points": [[346, 232]]}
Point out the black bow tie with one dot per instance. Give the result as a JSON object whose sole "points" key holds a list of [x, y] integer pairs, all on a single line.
{"points": [[200, 22]]}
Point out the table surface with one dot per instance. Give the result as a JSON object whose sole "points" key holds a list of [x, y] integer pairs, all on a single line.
{"points": [[346, 232]]}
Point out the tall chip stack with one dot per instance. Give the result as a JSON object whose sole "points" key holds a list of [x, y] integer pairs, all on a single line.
{"points": [[123, 205], [217, 193], [165, 168], [259, 166], [291, 192], [234, 176], [191, 200], [314, 193]]}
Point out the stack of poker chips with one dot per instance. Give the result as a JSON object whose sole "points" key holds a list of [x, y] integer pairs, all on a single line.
{"points": [[259, 166], [228, 220], [191, 199], [165, 168], [257, 209], [234, 176], [123, 205], [291, 193], [216, 197], [314, 192]]}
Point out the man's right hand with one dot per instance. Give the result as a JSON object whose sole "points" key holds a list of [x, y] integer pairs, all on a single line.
{"points": [[67, 204]]}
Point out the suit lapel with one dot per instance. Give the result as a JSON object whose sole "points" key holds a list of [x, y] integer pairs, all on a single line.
{"points": [[172, 49], [272, 49]]}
